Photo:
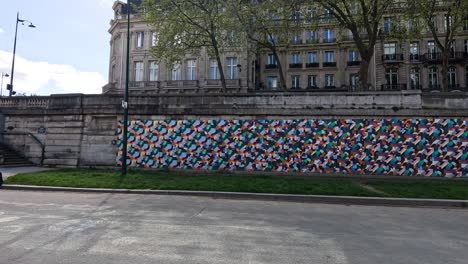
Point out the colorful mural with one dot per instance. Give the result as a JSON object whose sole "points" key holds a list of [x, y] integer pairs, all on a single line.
{"points": [[410, 147]]}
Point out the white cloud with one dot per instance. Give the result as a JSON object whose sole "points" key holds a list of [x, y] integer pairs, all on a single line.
{"points": [[35, 77], [1, 30]]}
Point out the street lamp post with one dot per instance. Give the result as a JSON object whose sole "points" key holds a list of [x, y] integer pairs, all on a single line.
{"points": [[1, 85], [125, 101], [18, 20]]}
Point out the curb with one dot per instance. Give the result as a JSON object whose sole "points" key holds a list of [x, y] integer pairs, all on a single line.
{"points": [[345, 200]]}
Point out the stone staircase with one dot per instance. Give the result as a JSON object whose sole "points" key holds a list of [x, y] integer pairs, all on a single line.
{"points": [[10, 158]]}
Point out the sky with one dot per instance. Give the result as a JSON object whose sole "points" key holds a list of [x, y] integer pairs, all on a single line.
{"points": [[67, 52]]}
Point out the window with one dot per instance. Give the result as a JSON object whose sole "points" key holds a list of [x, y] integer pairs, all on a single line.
{"points": [[139, 69], [312, 37], [328, 13], [296, 58], [296, 38], [232, 71], [154, 38], [390, 48], [273, 39], [433, 21], [214, 70], [387, 25], [415, 78], [466, 46], [153, 71], [414, 50], [312, 57], [448, 22], [312, 81], [391, 76], [191, 70], [390, 51], [175, 72], [431, 49], [353, 55], [452, 77], [433, 77], [139, 39], [329, 81], [296, 82], [329, 56], [329, 36], [271, 59], [272, 82], [354, 80]]}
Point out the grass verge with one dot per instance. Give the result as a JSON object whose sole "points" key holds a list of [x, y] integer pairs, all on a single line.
{"points": [[93, 178]]}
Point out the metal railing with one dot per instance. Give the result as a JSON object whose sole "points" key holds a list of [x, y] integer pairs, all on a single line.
{"points": [[390, 58], [295, 66], [394, 87]]}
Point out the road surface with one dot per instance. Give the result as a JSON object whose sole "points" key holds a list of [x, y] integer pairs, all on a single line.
{"points": [[42, 227]]}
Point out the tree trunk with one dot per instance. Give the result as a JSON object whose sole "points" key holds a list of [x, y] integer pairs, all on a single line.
{"points": [[444, 71], [364, 74], [280, 70], [220, 64]]}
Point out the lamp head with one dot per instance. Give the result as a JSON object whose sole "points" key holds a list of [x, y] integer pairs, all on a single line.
{"points": [[31, 25]]}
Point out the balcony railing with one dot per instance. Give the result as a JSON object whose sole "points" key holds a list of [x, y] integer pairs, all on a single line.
{"points": [[271, 66], [296, 41], [414, 57], [312, 41], [182, 83], [393, 87], [144, 85], [437, 57], [392, 58], [229, 82], [329, 40], [295, 66], [329, 64], [354, 63], [312, 65]]}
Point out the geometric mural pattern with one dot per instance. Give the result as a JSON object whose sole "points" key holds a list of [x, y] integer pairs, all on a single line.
{"points": [[406, 147]]}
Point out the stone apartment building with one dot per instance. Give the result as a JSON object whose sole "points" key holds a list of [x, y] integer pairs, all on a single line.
{"points": [[321, 60]]}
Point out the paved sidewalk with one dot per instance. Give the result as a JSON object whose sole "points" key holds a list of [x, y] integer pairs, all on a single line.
{"points": [[66, 228], [8, 172]]}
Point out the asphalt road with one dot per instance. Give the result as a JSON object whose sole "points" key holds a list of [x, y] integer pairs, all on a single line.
{"points": [[41, 227]]}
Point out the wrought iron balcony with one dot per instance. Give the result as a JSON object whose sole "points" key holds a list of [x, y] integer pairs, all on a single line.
{"points": [[437, 57], [312, 65], [295, 66], [354, 63], [312, 41], [392, 58], [296, 42], [329, 40], [329, 64], [394, 87], [271, 66], [415, 57]]}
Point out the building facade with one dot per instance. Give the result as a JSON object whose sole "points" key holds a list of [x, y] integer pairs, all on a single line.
{"points": [[324, 59]]}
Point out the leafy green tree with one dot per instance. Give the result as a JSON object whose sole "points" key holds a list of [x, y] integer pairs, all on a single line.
{"points": [[423, 17], [363, 19], [189, 26], [268, 25]]}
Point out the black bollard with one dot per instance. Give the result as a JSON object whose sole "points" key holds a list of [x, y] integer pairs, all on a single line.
{"points": [[1, 179]]}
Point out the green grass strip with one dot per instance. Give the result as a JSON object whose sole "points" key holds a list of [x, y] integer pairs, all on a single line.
{"points": [[94, 178]]}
